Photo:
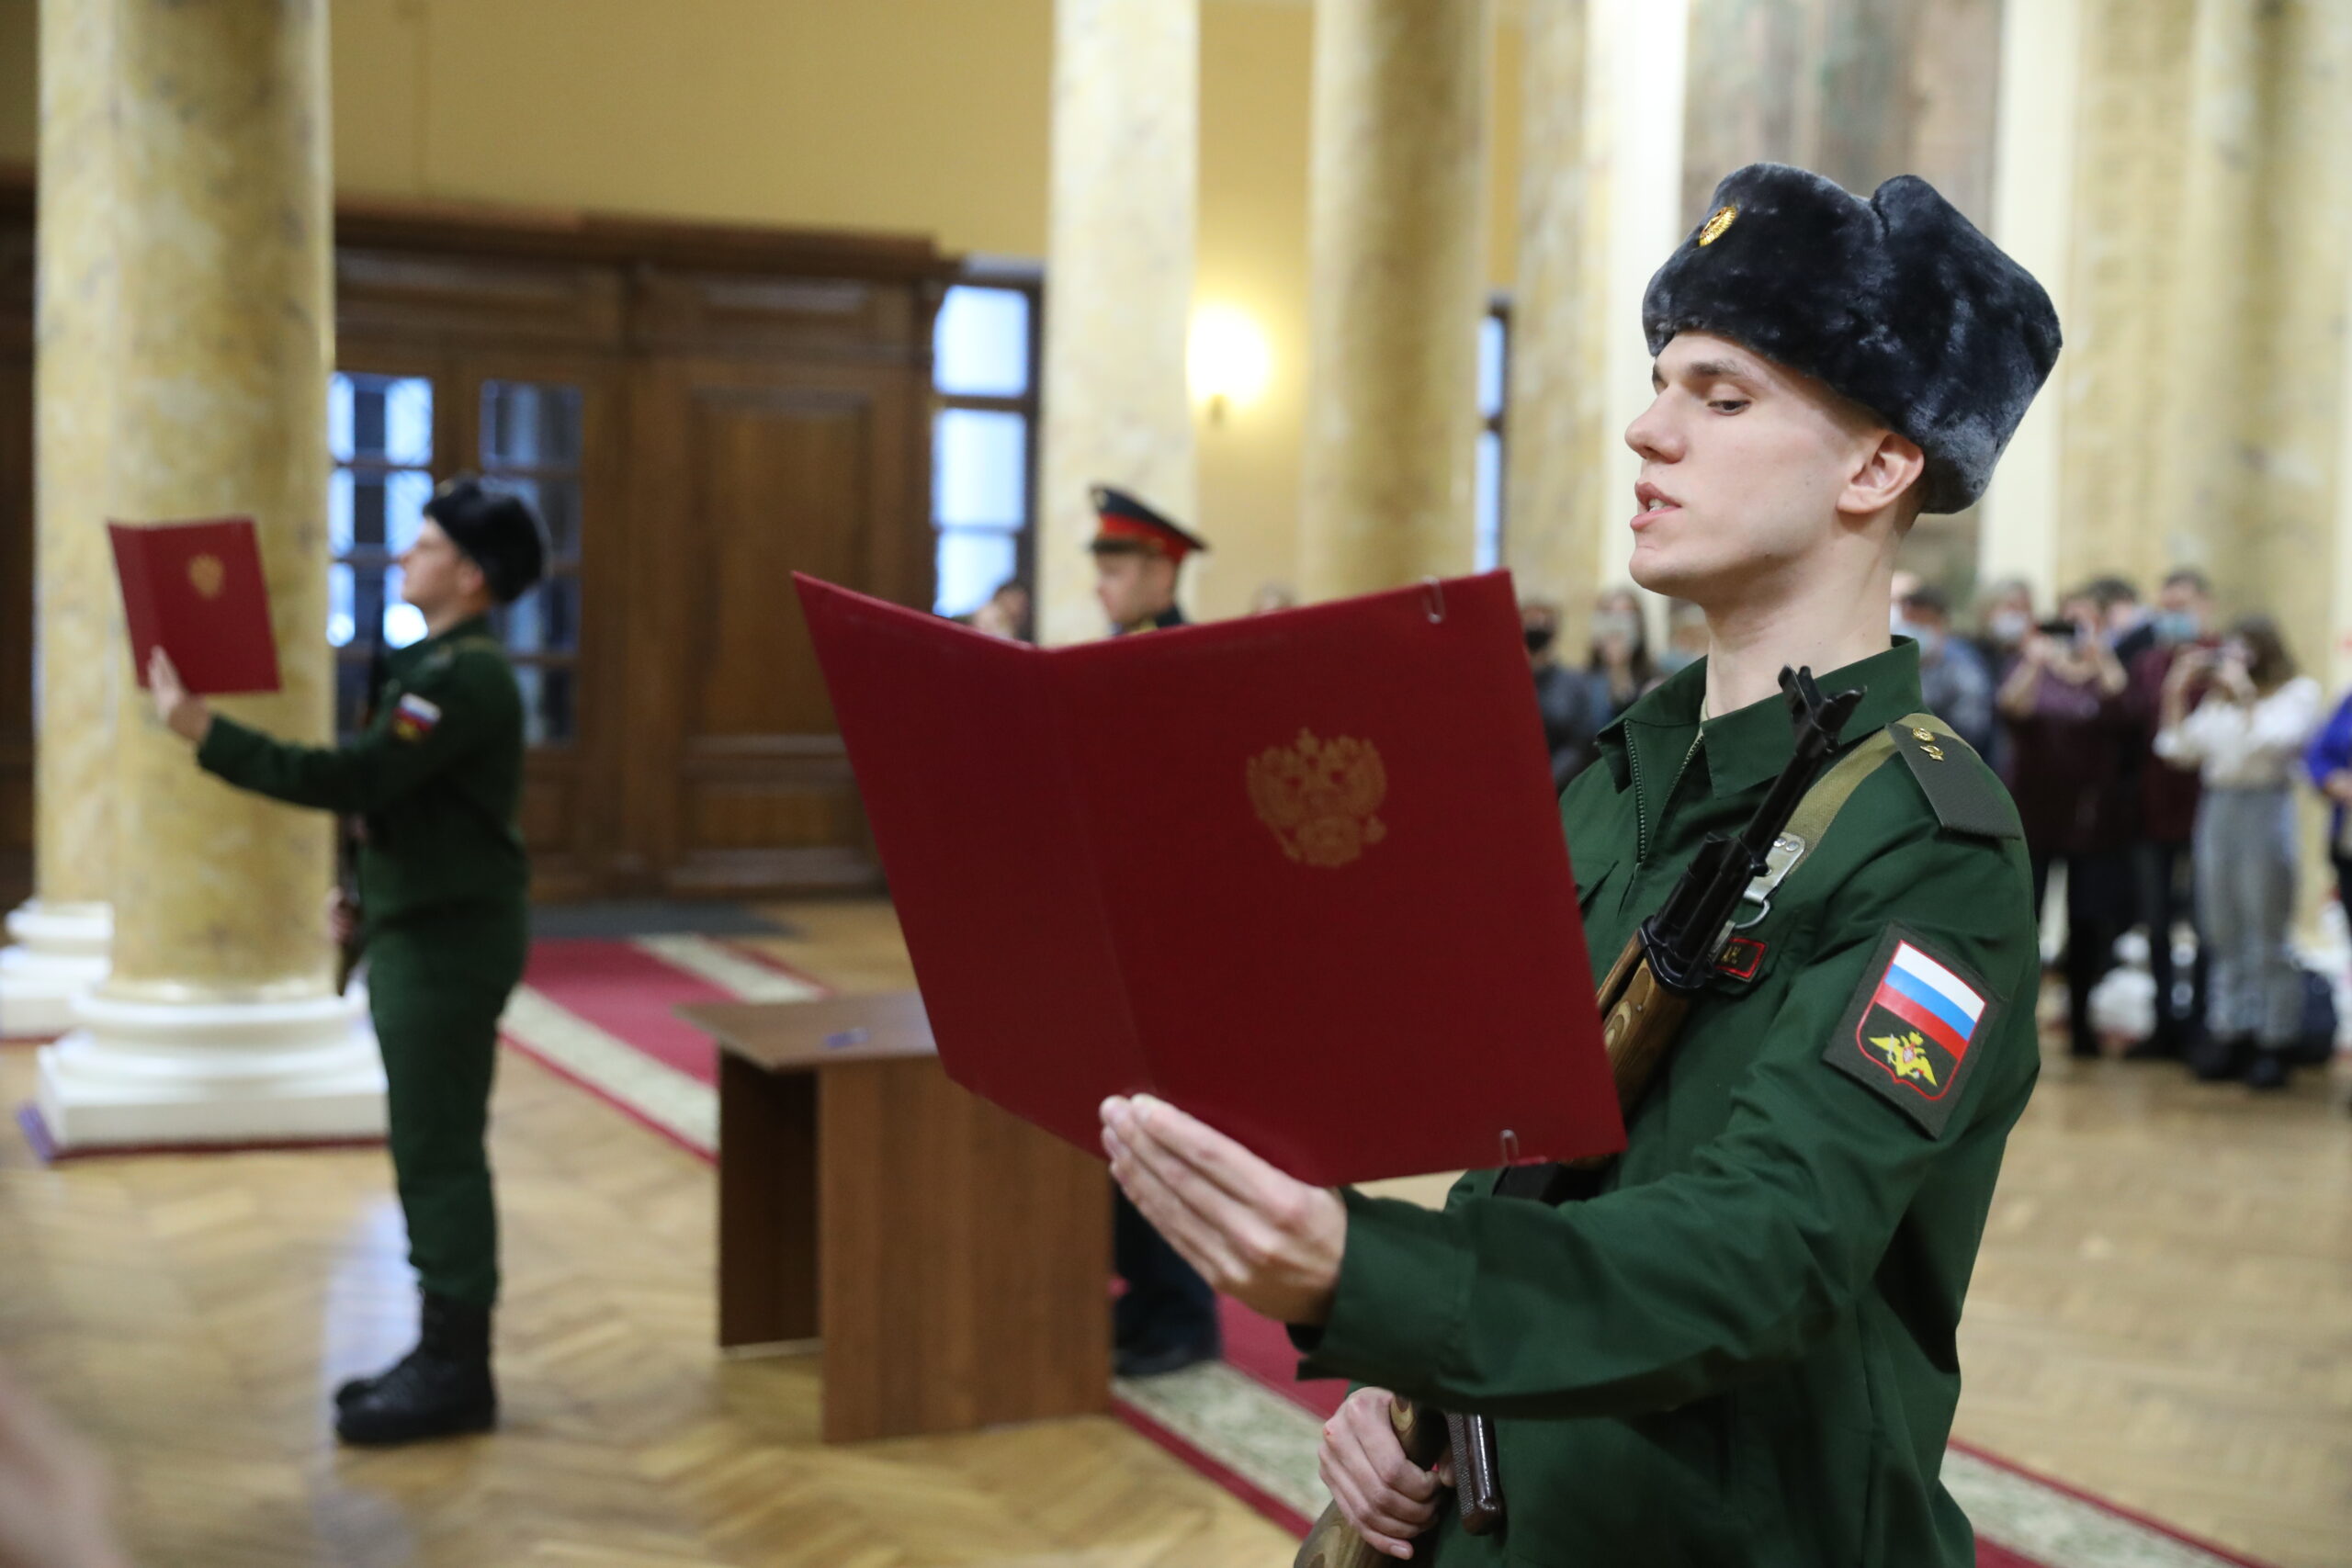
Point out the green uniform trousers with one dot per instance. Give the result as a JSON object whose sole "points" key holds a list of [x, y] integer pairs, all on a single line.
{"points": [[435, 988]]}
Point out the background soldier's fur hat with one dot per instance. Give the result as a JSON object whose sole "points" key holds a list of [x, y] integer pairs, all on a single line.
{"points": [[1897, 303], [497, 531]]}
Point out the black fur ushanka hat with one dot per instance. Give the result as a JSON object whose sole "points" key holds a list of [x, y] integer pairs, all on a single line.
{"points": [[1899, 302], [497, 530]]}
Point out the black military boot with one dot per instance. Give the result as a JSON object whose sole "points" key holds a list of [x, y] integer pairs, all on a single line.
{"points": [[440, 1389]]}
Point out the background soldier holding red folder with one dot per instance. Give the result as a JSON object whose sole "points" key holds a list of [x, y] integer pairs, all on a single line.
{"points": [[1740, 1350], [444, 879]]}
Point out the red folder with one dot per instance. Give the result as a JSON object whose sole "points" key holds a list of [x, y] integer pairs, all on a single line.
{"points": [[1301, 874], [196, 589]]}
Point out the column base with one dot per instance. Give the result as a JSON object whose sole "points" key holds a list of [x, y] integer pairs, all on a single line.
{"points": [[57, 951], [141, 1074]]}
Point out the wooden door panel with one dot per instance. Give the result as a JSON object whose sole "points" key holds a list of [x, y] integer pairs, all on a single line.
{"points": [[786, 476], [772, 469]]}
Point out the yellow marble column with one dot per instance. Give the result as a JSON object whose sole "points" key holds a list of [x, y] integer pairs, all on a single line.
{"points": [[2298, 361], [219, 1020], [1119, 258], [59, 939], [1395, 242], [1555, 453], [2205, 486], [2114, 390]]}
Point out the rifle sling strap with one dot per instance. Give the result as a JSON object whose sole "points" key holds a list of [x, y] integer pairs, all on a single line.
{"points": [[1807, 825]]}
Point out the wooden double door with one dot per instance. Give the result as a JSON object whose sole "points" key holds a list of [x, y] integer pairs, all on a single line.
{"points": [[696, 430]]}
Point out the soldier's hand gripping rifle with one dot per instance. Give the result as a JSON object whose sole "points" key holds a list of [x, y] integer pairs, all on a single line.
{"points": [[1642, 1001]]}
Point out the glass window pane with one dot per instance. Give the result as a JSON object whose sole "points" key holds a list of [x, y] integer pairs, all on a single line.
{"points": [[980, 344], [1489, 501], [557, 503], [979, 473], [547, 704], [379, 509], [1491, 349], [529, 424], [339, 417], [545, 620], [389, 418], [973, 562], [405, 494], [403, 624], [340, 621]]}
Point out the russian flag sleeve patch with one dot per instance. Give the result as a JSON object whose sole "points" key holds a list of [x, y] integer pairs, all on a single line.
{"points": [[415, 717], [1909, 1030]]}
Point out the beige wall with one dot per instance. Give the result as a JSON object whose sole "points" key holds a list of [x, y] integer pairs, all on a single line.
{"points": [[928, 116]]}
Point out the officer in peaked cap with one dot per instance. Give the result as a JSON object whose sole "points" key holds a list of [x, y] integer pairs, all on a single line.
{"points": [[438, 777], [1138, 554], [1166, 1321]]}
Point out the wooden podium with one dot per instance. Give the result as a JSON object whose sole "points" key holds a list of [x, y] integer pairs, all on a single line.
{"points": [[953, 1260]]}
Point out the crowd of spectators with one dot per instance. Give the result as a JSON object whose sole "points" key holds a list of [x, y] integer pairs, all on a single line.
{"points": [[2154, 753]]}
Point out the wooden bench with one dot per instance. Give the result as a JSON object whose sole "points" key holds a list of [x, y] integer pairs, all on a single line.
{"points": [[953, 1260]]}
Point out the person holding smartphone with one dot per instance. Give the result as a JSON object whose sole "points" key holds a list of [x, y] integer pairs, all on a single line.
{"points": [[2064, 710], [2245, 737]]}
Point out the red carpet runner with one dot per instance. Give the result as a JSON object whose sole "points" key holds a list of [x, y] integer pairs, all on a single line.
{"points": [[601, 1013]]}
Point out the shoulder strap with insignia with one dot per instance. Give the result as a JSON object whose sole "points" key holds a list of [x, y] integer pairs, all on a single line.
{"points": [[1966, 794]]}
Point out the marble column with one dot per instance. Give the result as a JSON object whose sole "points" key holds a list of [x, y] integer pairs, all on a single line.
{"points": [[1394, 244], [2286, 507], [219, 1021], [1119, 251], [59, 939], [2199, 457], [2114, 391], [2032, 214], [1556, 450]]}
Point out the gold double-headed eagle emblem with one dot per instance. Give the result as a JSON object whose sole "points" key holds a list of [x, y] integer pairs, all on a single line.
{"points": [[1319, 798], [1906, 1055], [207, 576]]}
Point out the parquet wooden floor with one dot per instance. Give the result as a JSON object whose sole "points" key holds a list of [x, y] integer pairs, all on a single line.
{"points": [[2163, 1314]]}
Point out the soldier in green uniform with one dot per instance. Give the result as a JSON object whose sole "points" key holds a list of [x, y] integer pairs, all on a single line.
{"points": [[438, 777], [1742, 1350]]}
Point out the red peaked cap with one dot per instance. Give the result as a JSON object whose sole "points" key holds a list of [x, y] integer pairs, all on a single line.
{"points": [[1126, 523]]}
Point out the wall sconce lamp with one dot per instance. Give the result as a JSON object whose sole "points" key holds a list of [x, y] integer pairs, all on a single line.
{"points": [[1227, 360]]}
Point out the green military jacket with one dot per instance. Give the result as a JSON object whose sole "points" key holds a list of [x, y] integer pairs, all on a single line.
{"points": [[437, 775], [1742, 1350]]}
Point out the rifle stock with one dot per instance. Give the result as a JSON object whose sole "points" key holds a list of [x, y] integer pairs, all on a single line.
{"points": [[1333, 1542], [1641, 1013]]}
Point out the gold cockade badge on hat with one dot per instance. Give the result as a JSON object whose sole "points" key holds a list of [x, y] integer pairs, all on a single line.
{"points": [[1717, 223], [207, 576], [1318, 797]]}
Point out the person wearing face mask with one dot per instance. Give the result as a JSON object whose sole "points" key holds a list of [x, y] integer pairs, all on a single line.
{"points": [[2246, 737], [1568, 699], [1952, 676], [2168, 811], [1620, 664], [2003, 617]]}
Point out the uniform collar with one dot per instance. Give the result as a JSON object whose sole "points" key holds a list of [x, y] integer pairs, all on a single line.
{"points": [[1170, 617], [472, 625], [1750, 746]]}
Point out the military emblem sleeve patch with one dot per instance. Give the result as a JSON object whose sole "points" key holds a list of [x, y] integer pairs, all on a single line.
{"points": [[415, 717], [1910, 1027]]}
